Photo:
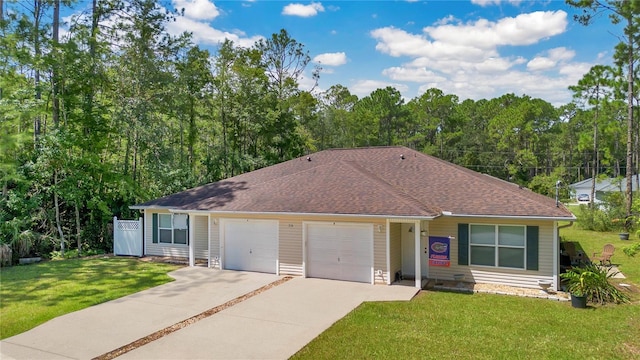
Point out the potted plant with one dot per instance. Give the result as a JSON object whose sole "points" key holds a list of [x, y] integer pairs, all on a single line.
{"points": [[591, 282], [577, 285]]}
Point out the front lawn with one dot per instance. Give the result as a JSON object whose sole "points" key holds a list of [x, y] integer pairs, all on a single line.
{"points": [[482, 326], [592, 241], [33, 294], [437, 325]]}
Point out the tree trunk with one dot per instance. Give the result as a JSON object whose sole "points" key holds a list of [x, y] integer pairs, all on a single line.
{"points": [[37, 8], [55, 106], [629, 172], [57, 208], [1, 20], [78, 239], [594, 169], [192, 132]]}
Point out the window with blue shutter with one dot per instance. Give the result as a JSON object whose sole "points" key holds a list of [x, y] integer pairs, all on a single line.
{"points": [[170, 229], [532, 247], [154, 224], [463, 244]]}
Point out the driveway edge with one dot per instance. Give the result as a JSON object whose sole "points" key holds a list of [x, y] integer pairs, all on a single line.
{"points": [[182, 324]]}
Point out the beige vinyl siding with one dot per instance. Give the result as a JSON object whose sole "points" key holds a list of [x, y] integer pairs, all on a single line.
{"points": [[395, 249], [200, 237], [447, 226], [290, 246], [158, 249], [379, 249], [214, 232]]}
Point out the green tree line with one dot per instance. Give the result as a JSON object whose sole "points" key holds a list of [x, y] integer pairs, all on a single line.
{"points": [[118, 111]]}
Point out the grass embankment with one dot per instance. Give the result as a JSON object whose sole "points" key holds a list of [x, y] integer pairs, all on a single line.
{"points": [[33, 294], [481, 326], [593, 242]]}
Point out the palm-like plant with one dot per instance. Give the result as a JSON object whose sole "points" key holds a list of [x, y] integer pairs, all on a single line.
{"points": [[592, 281]]}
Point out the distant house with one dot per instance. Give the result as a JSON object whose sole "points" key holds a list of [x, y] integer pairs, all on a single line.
{"points": [[372, 215], [603, 186]]}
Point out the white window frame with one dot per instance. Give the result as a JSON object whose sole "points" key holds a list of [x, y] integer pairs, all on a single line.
{"points": [[496, 246], [173, 230]]}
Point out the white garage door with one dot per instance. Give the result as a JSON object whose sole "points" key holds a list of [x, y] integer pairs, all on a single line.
{"points": [[251, 245], [340, 251]]}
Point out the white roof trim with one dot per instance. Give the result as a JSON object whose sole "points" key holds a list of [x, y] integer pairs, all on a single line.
{"points": [[299, 214], [156, 207], [519, 217], [390, 217]]}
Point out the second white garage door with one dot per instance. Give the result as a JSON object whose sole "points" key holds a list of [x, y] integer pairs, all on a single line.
{"points": [[339, 251], [251, 245]]}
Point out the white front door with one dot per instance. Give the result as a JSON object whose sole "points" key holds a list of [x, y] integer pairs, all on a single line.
{"points": [[339, 251], [251, 245], [408, 247]]}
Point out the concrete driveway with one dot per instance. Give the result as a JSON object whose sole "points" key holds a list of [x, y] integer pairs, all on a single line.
{"points": [[274, 324]]}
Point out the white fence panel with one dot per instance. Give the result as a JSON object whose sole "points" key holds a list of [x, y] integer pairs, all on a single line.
{"points": [[127, 237]]}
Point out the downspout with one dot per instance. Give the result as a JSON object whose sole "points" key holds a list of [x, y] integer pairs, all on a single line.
{"points": [[564, 226], [556, 263]]}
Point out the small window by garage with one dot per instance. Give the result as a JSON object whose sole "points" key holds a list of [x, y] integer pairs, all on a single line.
{"points": [[171, 229]]}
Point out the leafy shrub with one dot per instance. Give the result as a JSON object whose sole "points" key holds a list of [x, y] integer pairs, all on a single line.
{"points": [[592, 281], [594, 218], [632, 250], [73, 254]]}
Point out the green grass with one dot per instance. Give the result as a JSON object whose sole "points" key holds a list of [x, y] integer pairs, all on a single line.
{"points": [[438, 325], [33, 294], [592, 241]]}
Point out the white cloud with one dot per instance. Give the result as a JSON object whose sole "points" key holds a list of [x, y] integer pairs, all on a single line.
{"points": [[562, 53], [467, 58], [412, 74], [494, 2], [551, 61], [303, 10], [197, 9], [541, 63], [524, 29], [204, 34], [331, 59], [363, 88]]}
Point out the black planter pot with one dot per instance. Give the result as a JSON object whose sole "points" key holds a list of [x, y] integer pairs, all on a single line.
{"points": [[579, 302], [624, 236]]}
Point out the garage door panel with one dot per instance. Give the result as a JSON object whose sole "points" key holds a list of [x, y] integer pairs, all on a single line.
{"points": [[360, 258], [234, 259], [339, 251], [251, 245], [351, 272]]}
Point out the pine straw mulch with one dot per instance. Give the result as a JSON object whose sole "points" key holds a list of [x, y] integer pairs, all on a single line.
{"points": [[182, 324]]}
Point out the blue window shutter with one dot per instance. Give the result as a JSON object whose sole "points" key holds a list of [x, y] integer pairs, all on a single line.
{"points": [[154, 224], [463, 244], [532, 248], [187, 229]]}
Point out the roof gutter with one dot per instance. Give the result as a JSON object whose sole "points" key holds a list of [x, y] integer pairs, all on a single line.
{"points": [[382, 216], [565, 225], [174, 210], [140, 207], [555, 218]]}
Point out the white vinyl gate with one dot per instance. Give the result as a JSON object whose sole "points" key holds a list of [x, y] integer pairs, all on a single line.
{"points": [[127, 237]]}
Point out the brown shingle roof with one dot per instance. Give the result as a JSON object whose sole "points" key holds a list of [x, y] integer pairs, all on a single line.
{"points": [[393, 181]]}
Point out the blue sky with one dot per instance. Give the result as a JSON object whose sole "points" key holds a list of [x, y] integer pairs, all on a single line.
{"points": [[474, 49]]}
